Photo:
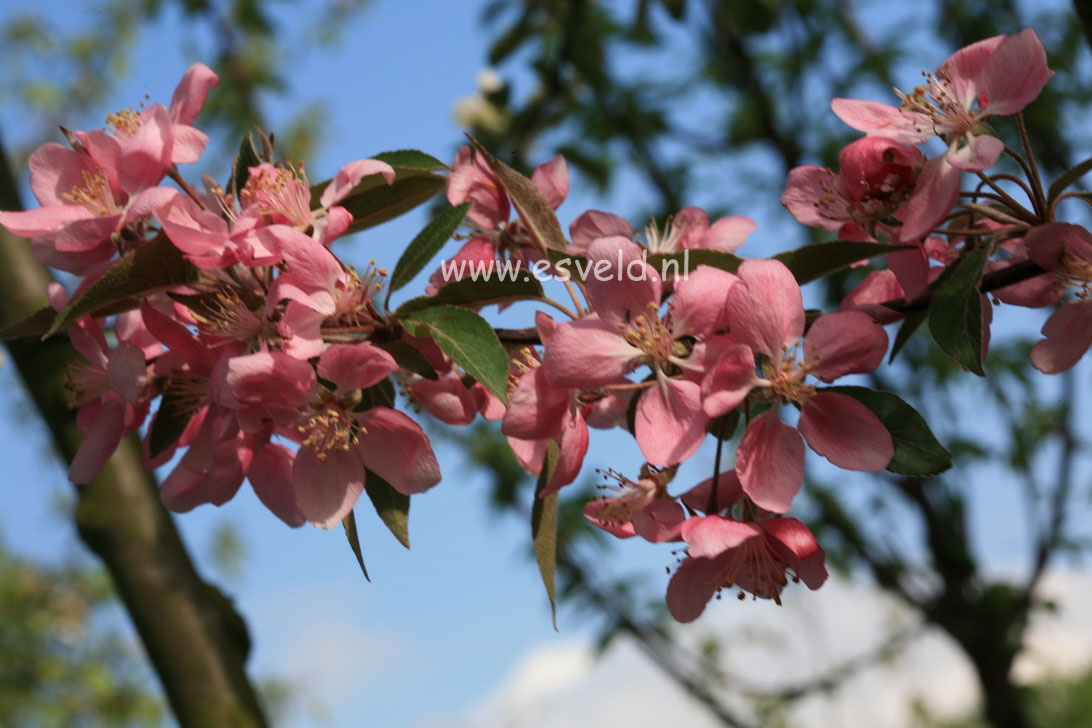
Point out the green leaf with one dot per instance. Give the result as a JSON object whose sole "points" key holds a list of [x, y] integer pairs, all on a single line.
{"points": [[532, 207], [685, 261], [240, 168], [1068, 177], [468, 292], [35, 324], [392, 506], [955, 315], [153, 267], [812, 262], [410, 159], [349, 522], [572, 264], [169, 422], [468, 339], [544, 527], [409, 358], [425, 246], [381, 203], [917, 451], [910, 323]]}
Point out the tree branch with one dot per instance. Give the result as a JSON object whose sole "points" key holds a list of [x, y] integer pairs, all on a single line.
{"points": [[195, 639]]}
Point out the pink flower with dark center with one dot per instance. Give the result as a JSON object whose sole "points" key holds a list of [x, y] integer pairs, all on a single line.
{"points": [[1067, 251], [750, 556], [998, 76], [767, 316], [627, 331], [636, 508]]}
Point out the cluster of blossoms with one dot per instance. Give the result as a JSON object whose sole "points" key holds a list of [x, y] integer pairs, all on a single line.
{"points": [[275, 362]]}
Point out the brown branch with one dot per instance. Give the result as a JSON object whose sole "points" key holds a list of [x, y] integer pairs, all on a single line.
{"points": [[195, 639]]}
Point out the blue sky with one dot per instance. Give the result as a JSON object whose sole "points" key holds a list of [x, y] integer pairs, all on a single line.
{"points": [[439, 626]]}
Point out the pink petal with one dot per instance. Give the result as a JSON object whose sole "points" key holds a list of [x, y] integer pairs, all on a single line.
{"points": [[189, 96], [882, 120], [333, 226], [1068, 335], [1015, 73], [574, 446], [726, 386], [619, 284], [690, 589], [767, 311], [349, 177], [670, 424], [397, 450], [729, 492], [536, 409], [845, 432], [726, 234], [47, 220], [808, 197], [609, 411], [355, 366], [701, 302], [933, 197], [770, 462], [54, 171], [445, 398], [711, 536], [471, 180], [911, 268], [127, 372], [188, 144], [878, 287], [587, 354], [326, 490], [982, 152], [660, 521], [796, 545], [271, 476], [552, 180], [845, 342], [146, 155], [593, 225], [593, 511], [99, 441]]}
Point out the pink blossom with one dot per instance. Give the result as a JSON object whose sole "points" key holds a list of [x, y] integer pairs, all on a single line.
{"points": [[751, 556], [637, 508], [627, 331], [690, 228], [767, 318], [997, 76], [1067, 250]]}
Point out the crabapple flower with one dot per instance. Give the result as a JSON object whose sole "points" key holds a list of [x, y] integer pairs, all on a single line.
{"points": [[690, 228], [627, 331], [491, 235], [637, 507], [750, 556], [767, 318], [1067, 250]]}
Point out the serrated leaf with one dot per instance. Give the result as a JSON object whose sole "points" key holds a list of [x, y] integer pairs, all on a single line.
{"points": [[408, 159], [469, 340], [169, 422], [153, 267], [382, 203], [917, 451], [685, 261], [424, 247], [544, 527], [392, 506], [1068, 177], [351, 535], [240, 168], [955, 314], [468, 292], [910, 323], [812, 262], [533, 209], [409, 358], [35, 324]]}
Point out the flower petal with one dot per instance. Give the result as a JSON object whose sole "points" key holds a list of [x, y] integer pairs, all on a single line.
{"points": [[670, 424], [770, 462], [844, 342], [767, 311], [397, 450], [326, 490], [845, 432]]}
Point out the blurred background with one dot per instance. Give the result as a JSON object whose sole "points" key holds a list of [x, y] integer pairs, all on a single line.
{"points": [[961, 600]]}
